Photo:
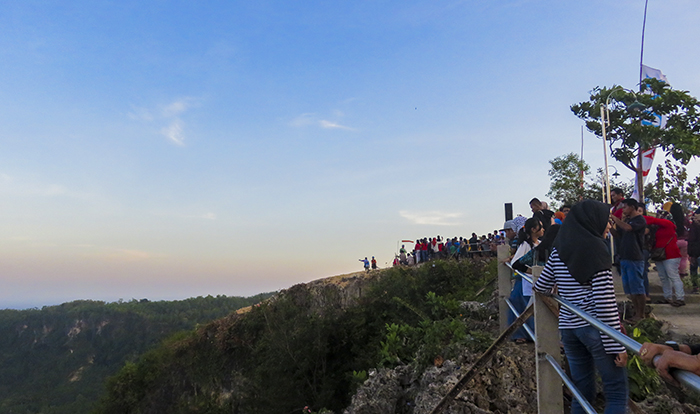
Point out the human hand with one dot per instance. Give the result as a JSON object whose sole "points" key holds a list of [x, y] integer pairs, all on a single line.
{"points": [[649, 350], [506, 260], [621, 359], [663, 364]]}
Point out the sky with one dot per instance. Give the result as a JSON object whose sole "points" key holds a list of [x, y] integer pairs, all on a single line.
{"points": [[169, 149]]}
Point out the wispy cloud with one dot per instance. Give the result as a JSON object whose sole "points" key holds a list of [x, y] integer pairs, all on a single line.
{"points": [[434, 218], [209, 216], [174, 132], [332, 125], [312, 119], [177, 107], [168, 115]]}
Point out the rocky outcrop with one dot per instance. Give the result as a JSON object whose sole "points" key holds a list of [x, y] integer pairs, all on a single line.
{"points": [[506, 386]]}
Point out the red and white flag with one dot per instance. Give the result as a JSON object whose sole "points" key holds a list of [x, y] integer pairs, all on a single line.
{"points": [[647, 161]]}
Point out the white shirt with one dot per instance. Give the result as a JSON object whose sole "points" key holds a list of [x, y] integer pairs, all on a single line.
{"points": [[522, 250]]}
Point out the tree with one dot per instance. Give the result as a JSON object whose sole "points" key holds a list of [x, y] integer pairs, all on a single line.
{"points": [[672, 184], [569, 183], [596, 187], [566, 176], [631, 133]]}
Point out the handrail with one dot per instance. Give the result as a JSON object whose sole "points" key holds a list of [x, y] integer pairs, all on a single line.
{"points": [[516, 313], [570, 385], [685, 377]]}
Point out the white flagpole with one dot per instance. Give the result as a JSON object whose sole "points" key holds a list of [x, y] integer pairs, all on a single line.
{"points": [[641, 58]]}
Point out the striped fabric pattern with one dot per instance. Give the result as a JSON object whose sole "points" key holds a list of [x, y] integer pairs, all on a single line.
{"points": [[598, 299]]}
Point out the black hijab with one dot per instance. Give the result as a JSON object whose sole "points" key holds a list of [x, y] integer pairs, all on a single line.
{"points": [[547, 242], [580, 242]]}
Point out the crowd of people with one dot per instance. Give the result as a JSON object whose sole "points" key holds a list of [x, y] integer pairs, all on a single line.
{"points": [[578, 245], [578, 256], [431, 248]]}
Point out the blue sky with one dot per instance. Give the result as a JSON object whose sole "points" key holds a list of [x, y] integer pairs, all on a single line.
{"points": [[169, 149]]}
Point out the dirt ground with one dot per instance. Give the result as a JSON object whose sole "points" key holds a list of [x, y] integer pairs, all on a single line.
{"points": [[682, 321]]}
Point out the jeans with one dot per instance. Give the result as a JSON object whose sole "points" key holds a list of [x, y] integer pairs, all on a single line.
{"points": [[632, 272], [584, 350], [670, 279], [520, 303]]}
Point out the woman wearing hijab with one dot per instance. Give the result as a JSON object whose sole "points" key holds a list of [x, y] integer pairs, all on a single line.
{"points": [[580, 267]]}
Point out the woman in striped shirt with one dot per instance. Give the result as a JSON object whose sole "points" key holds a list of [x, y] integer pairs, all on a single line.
{"points": [[579, 267]]}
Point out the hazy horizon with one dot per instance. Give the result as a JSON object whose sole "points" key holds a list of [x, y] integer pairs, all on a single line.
{"points": [[176, 149]]}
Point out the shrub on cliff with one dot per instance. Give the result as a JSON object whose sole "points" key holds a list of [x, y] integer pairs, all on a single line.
{"points": [[300, 350]]}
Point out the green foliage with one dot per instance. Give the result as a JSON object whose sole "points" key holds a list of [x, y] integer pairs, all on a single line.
{"points": [[359, 376], [304, 350], [321, 411], [565, 181], [626, 133], [643, 380], [673, 184], [594, 189], [443, 334], [56, 359], [394, 350]]}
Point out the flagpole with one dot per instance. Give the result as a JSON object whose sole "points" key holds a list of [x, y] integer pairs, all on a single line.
{"points": [[639, 179], [641, 58], [608, 200], [581, 166]]}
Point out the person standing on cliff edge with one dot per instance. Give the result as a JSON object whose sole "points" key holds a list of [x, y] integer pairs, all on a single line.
{"points": [[366, 263]]}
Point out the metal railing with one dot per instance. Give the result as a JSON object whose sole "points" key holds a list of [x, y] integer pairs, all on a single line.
{"points": [[587, 407], [516, 313], [684, 377]]}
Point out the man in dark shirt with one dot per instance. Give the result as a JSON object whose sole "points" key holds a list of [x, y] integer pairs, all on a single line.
{"points": [[544, 215], [630, 231]]}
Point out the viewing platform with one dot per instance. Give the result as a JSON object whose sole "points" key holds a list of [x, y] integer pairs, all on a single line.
{"points": [[682, 320]]}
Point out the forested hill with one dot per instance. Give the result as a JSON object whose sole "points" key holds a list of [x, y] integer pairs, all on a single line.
{"points": [[55, 360], [313, 344]]}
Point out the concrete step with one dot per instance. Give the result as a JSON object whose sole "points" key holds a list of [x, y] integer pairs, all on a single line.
{"points": [[681, 321]]}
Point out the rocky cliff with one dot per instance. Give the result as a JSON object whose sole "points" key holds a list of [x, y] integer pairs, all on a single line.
{"points": [[56, 359], [392, 341]]}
